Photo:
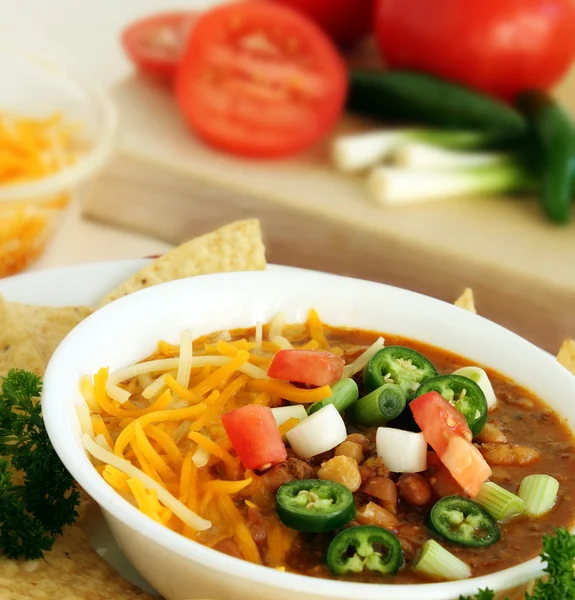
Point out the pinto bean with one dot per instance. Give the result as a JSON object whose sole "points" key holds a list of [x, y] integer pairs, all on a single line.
{"points": [[384, 490], [443, 483], [491, 433], [350, 449], [509, 454], [230, 547], [373, 514], [414, 489], [358, 438], [341, 469], [257, 525]]}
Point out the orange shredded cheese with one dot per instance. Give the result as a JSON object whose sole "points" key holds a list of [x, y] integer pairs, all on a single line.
{"points": [[316, 329], [213, 448], [242, 534], [290, 392], [100, 429], [227, 487], [287, 425]]}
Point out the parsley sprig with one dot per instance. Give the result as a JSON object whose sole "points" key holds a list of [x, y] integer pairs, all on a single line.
{"points": [[37, 494], [559, 583]]}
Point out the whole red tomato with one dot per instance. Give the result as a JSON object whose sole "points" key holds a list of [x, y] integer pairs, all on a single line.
{"points": [[501, 47], [345, 21]]}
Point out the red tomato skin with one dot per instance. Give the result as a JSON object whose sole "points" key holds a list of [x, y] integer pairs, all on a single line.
{"points": [[241, 114], [255, 436], [160, 66], [501, 47], [346, 22], [439, 421], [466, 465], [314, 367]]}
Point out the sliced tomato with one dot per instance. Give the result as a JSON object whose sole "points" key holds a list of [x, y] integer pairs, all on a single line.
{"points": [[466, 465], [255, 436], [156, 43], [439, 421], [258, 79], [313, 367]]}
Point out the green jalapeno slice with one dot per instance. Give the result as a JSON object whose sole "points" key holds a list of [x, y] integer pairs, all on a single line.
{"points": [[399, 365], [314, 505], [365, 547], [462, 393], [464, 522]]}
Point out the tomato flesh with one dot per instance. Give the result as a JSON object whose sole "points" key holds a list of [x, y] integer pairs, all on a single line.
{"points": [[313, 367], [346, 22], [501, 47], [439, 421], [466, 465], [260, 80], [155, 44], [255, 436]]}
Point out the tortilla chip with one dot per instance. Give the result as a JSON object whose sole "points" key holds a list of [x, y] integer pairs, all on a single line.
{"points": [[235, 247], [466, 301], [72, 569], [48, 325], [566, 355], [17, 348]]}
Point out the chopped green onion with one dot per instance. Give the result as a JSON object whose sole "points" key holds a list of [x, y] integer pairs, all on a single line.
{"points": [[539, 493], [380, 406], [498, 502], [438, 563], [360, 151], [343, 394], [395, 186], [415, 155]]}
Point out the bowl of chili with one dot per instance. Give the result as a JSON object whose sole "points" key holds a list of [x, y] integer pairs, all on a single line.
{"points": [[309, 397]]}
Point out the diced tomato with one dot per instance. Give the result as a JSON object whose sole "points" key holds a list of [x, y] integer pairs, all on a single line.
{"points": [[439, 421], [255, 436], [443, 484], [313, 367], [466, 465], [155, 43]]}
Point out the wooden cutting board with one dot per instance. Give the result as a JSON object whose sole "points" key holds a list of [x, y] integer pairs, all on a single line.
{"points": [[165, 183]]}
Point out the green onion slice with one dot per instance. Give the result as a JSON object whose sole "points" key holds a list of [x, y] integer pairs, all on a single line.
{"points": [[539, 493], [498, 502], [438, 563]]}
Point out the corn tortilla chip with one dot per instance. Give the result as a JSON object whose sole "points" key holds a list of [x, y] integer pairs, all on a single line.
{"points": [[466, 301], [72, 570], [235, 247], [566, 355]]}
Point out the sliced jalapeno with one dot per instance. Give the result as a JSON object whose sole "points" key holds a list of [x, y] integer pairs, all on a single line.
{"points": [[314, 506], [364, 547], [343, 394], [464, 394], [464, 522], [395, 364], [380, 406]]}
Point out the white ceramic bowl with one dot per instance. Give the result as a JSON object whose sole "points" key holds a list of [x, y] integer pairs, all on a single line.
{"points": [[129, 329]]}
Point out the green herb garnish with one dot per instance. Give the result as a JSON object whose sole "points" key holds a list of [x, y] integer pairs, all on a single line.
{"points": [[559, 584], [37, 494]]}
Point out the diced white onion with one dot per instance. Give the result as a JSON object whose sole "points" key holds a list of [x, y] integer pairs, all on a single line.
{"points": [[180, 510], [185, 364], [401, 451], [320, 432], [155, 388], [482, 380], [277, 326], [259, 336], [359, 363], [283, 413], [201, 457], [282, 342]]}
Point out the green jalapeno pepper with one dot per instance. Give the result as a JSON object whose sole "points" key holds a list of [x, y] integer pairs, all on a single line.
{"points": [[464, 522], [343, 394], [314, 506], [462, 393], [380, 406], [364, 547], [395, 364]]}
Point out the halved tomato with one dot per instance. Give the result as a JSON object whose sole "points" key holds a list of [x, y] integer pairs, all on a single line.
{"points": [[258, 79], [439, 421], [466, 465], [314, 367], [155, 43], [255, 436]]}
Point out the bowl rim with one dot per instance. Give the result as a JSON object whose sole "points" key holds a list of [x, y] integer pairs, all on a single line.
{"points": [[88, 164], [120, 509]]}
